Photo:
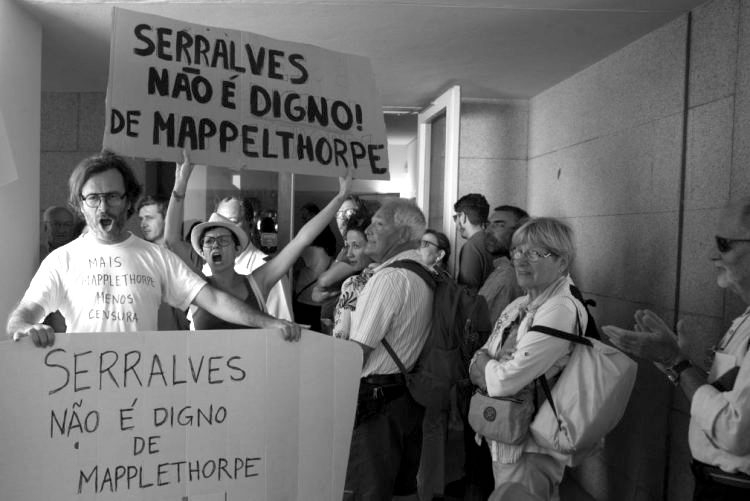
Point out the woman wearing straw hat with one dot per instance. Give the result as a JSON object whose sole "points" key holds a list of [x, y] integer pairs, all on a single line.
{"points": [[219, 240]]}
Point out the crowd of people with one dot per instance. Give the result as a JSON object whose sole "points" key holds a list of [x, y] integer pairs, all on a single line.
{"points": [[519, 265]]}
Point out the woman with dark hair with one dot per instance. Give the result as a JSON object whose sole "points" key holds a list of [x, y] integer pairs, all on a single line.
{"points": [[435, 249], [328, 286], [356, 241]]}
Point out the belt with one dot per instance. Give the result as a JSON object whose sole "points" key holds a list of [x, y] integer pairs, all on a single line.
{"points": [[384, 379], [719, 476]]}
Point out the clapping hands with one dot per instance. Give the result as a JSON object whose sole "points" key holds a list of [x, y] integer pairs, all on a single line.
{"points": [[651, 339]]}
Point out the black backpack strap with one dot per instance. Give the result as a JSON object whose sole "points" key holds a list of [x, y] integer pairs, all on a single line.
{"points": [[415, 267], [577, 294], [395, 358], [424, 274], [591, 329]]}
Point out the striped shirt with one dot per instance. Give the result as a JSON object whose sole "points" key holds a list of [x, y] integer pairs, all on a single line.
{"points": [[396, 304]]}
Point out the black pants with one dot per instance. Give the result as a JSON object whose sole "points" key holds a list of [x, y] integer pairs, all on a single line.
{"points": [[477, 458], [712, 484], [478, 462]]}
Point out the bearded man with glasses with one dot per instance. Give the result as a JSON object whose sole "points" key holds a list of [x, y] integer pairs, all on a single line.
{"points": [[719, 432], [109, 280]]}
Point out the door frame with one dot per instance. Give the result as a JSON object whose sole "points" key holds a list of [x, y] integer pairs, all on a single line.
{"points": [[448, 104]]}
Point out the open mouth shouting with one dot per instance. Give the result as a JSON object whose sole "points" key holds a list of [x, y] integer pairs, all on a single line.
{"points": [[106, 222], [216, 257]]}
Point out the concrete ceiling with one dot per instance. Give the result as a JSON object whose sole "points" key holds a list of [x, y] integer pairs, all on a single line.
{"points": [[495, 49]]}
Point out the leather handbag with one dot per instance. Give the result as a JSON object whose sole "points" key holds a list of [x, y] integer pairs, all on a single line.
{"points": [[502, 419]]}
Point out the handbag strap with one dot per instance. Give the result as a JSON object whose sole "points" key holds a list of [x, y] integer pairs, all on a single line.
{"points": [[395, 358], [550, 331], [547, 392]]}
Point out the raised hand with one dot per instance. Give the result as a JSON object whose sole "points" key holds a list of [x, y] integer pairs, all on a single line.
{"points": [[182, 172], [345, 183]]}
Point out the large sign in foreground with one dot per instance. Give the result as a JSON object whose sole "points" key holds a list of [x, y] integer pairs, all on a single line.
{"points": [[237, 99], [213, 415]]}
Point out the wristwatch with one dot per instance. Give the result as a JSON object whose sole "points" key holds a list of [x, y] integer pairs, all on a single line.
{"points": [[673, 373]]}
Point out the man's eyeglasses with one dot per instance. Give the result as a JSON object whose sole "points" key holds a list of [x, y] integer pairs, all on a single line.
{"points": [[531, 255], [726, 244], [222, 241], [112, 198], [427, 243], [345, 214], [455, 216]]}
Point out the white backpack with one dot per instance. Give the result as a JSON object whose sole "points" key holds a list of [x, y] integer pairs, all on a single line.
{"points": [[589, 398]]}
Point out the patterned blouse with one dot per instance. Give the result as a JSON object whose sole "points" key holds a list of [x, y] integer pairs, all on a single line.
{"points": [[347, 302]]}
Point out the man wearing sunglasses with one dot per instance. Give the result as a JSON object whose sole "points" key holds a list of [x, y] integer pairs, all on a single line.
{"points": [[109, 280], [719, 432]]}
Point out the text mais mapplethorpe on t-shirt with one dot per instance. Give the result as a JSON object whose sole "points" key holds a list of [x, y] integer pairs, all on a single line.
{"points": [[114, 292]]}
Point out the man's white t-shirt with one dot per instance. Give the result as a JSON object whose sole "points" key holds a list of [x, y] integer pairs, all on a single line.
{"points": [[112, 288]]}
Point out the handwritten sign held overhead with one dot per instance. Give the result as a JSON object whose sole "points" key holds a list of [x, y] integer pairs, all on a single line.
{"points": [[213, 415], [237, 99]]}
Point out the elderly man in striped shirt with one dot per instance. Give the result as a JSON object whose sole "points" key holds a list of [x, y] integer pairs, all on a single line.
{"points": [[395, 305]]}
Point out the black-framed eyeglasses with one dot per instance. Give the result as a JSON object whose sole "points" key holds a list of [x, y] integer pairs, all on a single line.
{"points": [[112, 198], [531, 255], [222, 241], [455, 216], [726, 244]]}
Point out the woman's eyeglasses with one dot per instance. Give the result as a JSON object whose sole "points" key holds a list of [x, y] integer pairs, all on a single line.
{"points": [[222, 241], [427, 243], [531, 255]]}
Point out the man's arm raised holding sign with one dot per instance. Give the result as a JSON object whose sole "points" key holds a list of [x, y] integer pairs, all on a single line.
{"points": [[109, 280]]}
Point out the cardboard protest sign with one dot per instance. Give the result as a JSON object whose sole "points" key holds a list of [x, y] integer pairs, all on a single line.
{"points": [[213, 415], [237, 99]]}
